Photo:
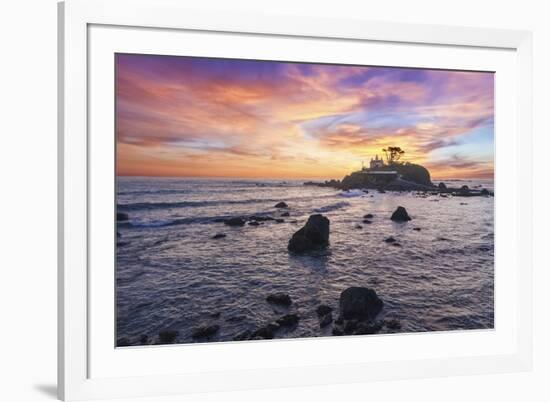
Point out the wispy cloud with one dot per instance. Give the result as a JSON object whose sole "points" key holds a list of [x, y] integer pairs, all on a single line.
{"points": [[198, 116]]}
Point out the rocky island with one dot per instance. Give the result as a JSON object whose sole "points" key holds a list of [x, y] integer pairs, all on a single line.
{"points": [[394, 175]]}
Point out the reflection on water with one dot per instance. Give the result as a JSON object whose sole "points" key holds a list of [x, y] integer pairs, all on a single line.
{"points": [[171, 274]]}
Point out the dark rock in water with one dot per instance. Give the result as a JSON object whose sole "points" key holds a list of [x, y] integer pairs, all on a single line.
{"points": [[254, 223], [122, 216], [267, 332], [366, 328], [315, 234], [393, 325], [281, 204], [396, 244], [217, 314], [167, 336], [442, 186], [464, 188], [279, 220], [144, 340], [350, 327], [205, 331], [417, 229], [339, 321], [326, 320], [323, 309], [358, 227], [288, 320], [234, 222], [368, 216], [337, 331], [219, 236], [485, 248], [359, 303], [243, 336], [484, 191], [366, 221], [123, 342], [285, 214], [118, 234], [400, 215], [281, 299], [390, 239]]}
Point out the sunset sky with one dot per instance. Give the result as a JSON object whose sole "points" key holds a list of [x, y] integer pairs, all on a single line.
{"points": [[182, 116]]}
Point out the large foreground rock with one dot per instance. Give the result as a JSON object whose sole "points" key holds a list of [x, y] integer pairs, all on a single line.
{"points": [[400, 215], [359, 303], [314, 235]]}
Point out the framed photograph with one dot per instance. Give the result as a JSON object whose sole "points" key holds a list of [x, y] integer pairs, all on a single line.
{"points": [[253, 201]]}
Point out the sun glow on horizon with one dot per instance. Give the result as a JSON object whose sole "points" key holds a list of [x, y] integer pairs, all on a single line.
{"points": [[204, 117]]}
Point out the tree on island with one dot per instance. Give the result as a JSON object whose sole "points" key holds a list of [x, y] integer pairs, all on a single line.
{"points": [[393, 154]]}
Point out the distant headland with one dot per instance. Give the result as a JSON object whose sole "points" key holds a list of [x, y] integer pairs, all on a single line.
{"points": [[395, 175]]}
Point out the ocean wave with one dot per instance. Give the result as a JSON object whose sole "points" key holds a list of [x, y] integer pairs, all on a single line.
{"points": [[206, 203], [352, 193], [332, 207]]}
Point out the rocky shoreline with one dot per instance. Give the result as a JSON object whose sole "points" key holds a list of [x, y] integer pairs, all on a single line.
{"points": [[358, 306]]}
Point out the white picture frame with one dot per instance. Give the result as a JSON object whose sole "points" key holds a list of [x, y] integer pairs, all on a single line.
{"points": [[118, 374]]}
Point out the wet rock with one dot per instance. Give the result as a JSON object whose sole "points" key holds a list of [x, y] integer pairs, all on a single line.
{"points": [[254, 223], [400, 215], [285, 214], [359, 303], [122, 216], [417, 229], [234, 221], [323, 309], [390, 239], [123, 342], [216, 315], [144, 340], [314, 234], [393, 325], [484, 191], [118, 234], [219, 236], [358, 227], [205, 331], [368, 328], [281, 299], [350, 327], [465, 188], [325, 320], [339, 321], [289, 320], [281, 204], [279, 220], [368, 216], [366, 221], [337, 331], [442, 186], [396, 244], [267, 332], [167, 336]]}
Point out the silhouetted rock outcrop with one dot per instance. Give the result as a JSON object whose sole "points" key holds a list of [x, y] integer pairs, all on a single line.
{"points": [[359, 303], [314, 234], [281, 299], [400, 215]]}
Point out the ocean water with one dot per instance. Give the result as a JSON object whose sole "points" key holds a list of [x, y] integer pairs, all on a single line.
{"points": [[171, 274]]}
